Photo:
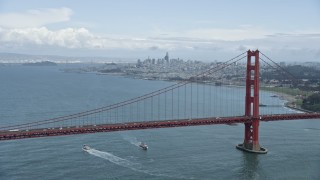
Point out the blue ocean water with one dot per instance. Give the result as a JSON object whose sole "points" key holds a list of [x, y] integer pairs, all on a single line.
{"points": [[200, 152]]}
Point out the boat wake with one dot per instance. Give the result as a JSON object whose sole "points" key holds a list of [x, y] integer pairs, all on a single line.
{"points": [[112, 158], [314, 129], [132, 140], [128, 164]]}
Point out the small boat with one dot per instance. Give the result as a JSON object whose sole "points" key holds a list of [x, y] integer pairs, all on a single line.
{"points": [[85, 147], [274, 96], [143, 146]]}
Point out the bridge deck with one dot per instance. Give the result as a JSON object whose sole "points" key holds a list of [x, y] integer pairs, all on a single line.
{"points": [[22, 134]]}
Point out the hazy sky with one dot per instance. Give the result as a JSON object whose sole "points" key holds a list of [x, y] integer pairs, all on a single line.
{"points": [[286, 30]]}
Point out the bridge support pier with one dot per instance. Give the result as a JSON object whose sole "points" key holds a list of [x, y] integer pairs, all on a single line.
{"points": [[251, 132]]}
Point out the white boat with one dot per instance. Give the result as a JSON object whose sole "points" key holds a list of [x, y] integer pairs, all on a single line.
{"points": [[144, 146], [85, 147]]}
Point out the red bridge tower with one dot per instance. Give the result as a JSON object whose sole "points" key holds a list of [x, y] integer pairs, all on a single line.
{"points": [[251, 132]]}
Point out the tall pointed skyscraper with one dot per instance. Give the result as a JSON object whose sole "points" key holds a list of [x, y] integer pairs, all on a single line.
{"points": [[166, 58]]}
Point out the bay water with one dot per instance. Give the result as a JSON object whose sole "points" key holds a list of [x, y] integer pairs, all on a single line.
{"points": [[201, 152]]}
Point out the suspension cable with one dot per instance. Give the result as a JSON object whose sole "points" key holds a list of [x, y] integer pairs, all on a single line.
{"points": [[292, 76], [127, 102]]}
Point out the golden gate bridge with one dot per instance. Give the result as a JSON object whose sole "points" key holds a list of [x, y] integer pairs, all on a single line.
{"points": [[186, 103]]}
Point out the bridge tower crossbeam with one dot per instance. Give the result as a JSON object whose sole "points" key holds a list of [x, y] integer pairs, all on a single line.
{"points": [[251, 132]]}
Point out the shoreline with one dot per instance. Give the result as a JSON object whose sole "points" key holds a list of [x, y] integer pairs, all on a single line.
{"points": [[290, 101]]}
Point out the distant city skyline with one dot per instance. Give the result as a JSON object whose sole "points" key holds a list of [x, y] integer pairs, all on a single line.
{"points": [[287, 30]]}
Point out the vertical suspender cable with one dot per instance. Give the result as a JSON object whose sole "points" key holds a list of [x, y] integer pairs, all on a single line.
{"points": [[165, 105], [203, 99], [185, 101], [191, 101], [172, 103], [178, 102], [152, 108], [197, 98], [159, 107]]}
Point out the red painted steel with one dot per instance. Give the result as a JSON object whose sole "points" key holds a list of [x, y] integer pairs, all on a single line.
{"points": [[251, 132], [7, 135], [251, 118]]}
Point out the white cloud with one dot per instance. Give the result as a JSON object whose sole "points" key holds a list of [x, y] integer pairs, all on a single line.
{"points": [[35, 18], [244, 32], [69, 37], [74, 38], [228, 34], [196, 43]]}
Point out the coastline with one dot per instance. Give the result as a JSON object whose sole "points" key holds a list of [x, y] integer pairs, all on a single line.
{"points": [[290, 101]]}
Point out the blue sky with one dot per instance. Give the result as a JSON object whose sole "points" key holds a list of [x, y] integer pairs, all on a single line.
{"points": [[288, 30]]}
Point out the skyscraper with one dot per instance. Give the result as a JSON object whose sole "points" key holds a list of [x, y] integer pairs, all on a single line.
{"points": [[166, 58]]}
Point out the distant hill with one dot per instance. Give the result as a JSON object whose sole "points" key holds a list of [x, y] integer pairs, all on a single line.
{"points": [[298, 71], [27, 58], [42, 63]]}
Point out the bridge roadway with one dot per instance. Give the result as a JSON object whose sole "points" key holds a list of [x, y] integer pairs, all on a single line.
{"points": [[33, 133]]}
